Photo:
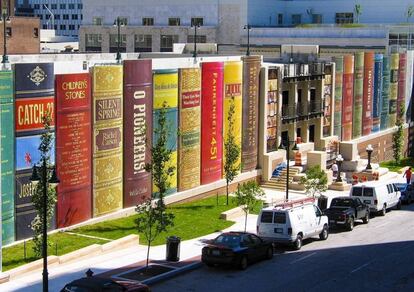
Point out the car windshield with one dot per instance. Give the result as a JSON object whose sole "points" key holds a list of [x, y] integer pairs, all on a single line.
{"points": [[401, 187], [357, 191], [341, 203], [228, 240]]}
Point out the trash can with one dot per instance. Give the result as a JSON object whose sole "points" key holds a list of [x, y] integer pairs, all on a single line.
{"points": [[173, 248]]}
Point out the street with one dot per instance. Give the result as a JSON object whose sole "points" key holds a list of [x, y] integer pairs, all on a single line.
{"points": [[378, 256]]}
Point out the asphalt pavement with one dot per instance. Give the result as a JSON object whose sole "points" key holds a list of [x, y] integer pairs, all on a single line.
{"points": [[378, 256]]}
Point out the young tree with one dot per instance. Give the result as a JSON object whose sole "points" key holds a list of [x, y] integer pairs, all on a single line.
{"points": [[398, 136], [152, 220], [248, 198], [358, 11], [152, 216], [46, 144], [231, 157], [315, 181], [410, 12]]}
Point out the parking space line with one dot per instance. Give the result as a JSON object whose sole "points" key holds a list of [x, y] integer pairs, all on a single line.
{"points": [[303, 258], [360, 267]]}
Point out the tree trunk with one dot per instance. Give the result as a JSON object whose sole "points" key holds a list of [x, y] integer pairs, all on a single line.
{"points": [[227, 193], [148, 250], [245, 223]]}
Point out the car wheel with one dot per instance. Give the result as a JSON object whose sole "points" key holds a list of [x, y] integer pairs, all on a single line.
{"points": [[298, 242], [324, 234], [366, 218], [269, 253], [350, 225], [384, 210], [399, 205], [243, 263]]}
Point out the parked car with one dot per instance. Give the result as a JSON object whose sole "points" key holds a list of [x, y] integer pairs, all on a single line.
{"points": [[237, 249], [96, 284], [292, 222], [378, 196], [345, 210], [407, 192]]}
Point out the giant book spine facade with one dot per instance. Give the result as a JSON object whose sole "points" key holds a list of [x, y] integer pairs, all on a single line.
{"points": [[7, 156], [190, 129], [137, 130], [73, 148], [377, 101], [250, 110], [107, 138], [339, 71], [348, 95], [358, 95], [402, 71], [385, 93], [34, 97], [233, 77], [392, 107], [212, 121], [166, 92], [369, 64]]}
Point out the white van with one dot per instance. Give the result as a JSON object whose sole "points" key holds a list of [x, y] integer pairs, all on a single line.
{"points": [[292, 222], [379, 196]]}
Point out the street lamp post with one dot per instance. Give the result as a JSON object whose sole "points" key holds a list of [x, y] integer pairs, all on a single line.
{"points": [[118, 24], [339, 160], [286, 146], [249, 28], [5, 19], [35, 179], [369, 150], [195, 26]]}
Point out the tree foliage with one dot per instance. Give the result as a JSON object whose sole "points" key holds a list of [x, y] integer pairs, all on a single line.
{"points": [[315, 181], [248, 197], [398, 136], [46, 143], [232, 149], [153, 217]]}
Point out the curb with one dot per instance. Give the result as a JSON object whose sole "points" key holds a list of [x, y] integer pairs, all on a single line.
{"points": [[172, 273]]}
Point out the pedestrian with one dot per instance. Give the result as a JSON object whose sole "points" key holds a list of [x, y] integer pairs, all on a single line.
{"points": [[407, 175], [334, 169]]}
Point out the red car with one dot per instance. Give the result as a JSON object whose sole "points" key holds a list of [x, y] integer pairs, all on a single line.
{"points": [[96, 284]]}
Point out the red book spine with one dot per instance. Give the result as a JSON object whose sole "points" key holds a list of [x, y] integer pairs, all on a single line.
{"points": [[367, 101], [212, 122], [73, 151], [347, 99], [137, 130]]}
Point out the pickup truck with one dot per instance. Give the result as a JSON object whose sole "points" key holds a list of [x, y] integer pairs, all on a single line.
{"points": [[345, 210]]}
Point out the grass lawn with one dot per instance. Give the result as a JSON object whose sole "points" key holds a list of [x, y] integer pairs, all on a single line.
{"points": [[13, 256], [192, 220], [392, 166]]}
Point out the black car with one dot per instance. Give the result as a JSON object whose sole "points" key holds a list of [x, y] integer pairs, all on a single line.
{"points": [[345, 210], [96, 284], [407, 192], [237, 249]]}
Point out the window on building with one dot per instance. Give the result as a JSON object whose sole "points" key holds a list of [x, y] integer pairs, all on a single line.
{"points": [[57, 16], [93, 42], [143, 43], [113, 43], [167, 42], [65, 16], [47, 16], [97, 21], [344, 17], [71, 27], [74, 16], [72, 6], [63, 27], [147, 21], [81, 16], [35, 32], [201, 39], [9, 32], [174, 21], [44, 26], [280, 19], [40, 16], [123, 20], [316, 18], [296, 19], [197, 21], [54, 6], [36, 6], [55, 27], [62, 6], [80, 6]]}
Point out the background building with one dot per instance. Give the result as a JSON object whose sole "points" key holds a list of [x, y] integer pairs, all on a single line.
{"points": [[64, 16]]}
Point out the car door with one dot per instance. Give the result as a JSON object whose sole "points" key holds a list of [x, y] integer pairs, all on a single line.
{"points": [[318, 220], [260, 247], [250, 251]]}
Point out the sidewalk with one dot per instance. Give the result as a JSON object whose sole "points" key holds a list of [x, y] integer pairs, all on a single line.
{"points": [[59, 276]]}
